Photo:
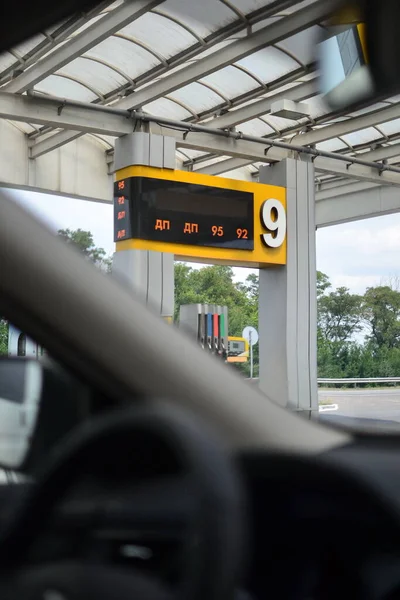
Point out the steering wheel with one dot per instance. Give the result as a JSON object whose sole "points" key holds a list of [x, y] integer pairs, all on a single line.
{"points": [[120, 455]]}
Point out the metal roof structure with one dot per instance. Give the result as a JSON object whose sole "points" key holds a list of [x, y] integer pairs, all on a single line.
{"points": [[216, 63]]}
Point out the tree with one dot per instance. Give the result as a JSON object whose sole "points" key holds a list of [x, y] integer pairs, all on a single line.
{"points": [[3, 337], [392, 281], [251, 287], [339, 315], [323, 283], [84, 242], [215, 285], [382, 315], [209, 285], [339, 319]]}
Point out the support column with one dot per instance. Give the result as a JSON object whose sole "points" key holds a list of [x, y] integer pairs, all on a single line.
{"points": [[287, 305], [150, 274]]}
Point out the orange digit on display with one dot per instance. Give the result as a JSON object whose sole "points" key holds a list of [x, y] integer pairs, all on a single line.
{"points": [[121, 185], [242, 234], [217, 230]]}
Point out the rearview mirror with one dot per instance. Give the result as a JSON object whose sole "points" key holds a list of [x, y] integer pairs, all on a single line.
{"points": [[358, 54], [39, 404]]}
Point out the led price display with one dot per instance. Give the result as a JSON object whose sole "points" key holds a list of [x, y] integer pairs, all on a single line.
{"points": [[177, 212], [122, 224]]}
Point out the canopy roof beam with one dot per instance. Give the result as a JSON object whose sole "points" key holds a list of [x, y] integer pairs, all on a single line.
{"points": [[110, 23], [235, 51]]}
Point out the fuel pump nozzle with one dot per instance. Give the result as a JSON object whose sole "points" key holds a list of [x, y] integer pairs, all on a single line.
{"points": [[209, 332]]}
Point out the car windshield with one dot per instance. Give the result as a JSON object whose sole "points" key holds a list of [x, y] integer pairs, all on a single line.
{"points": [[179, 147]]}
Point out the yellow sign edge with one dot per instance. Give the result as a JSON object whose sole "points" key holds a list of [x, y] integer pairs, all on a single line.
{"points": [[201, 254]]}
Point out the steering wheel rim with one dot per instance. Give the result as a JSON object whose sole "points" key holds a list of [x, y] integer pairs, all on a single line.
{"points": [[214, 550]]}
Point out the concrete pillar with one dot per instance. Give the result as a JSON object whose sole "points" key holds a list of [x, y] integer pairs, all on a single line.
{"points": [[287, 308], [150, 274]]}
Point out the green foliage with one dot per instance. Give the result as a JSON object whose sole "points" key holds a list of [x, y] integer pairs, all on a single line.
{"points": [[323, 283], [341, 316], [358, 336], [215, 285], [382, 314], [84, 242], [3, 337]]}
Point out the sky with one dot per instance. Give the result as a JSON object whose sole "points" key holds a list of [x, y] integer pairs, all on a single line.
{"points": [[355, 255]]}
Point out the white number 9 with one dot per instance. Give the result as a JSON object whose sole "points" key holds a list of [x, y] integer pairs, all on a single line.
{"points": [[277, 226]]}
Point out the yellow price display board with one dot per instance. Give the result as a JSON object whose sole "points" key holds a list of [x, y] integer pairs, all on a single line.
{"points": [[200, 218]]}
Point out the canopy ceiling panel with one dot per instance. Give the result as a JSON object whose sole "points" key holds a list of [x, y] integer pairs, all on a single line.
{"points": [[160, 33], [66, 88], [130, 58], [390, 128], [197, 61], [96, 74], [231, 81], [202, 17], [361, 137], [269, 64], [165, 107]]}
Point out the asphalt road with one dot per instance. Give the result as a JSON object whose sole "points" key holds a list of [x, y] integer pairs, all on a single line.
{"points": [[377, 410]]}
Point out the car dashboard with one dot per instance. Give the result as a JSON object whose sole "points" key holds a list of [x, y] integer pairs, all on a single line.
{"points": [[319, 531], [317, 528]]}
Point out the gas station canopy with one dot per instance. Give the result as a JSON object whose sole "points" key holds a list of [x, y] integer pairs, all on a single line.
{"points": [[221, 63]]}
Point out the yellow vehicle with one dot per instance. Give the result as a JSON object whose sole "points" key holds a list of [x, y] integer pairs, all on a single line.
{"points": [[238, 350]]}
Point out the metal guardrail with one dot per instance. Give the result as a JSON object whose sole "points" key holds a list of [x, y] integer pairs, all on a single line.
{"points": [[360, 380], [354, 380]]}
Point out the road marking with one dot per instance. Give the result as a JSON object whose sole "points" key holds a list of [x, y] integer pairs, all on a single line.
{"points": [[328, 407]]}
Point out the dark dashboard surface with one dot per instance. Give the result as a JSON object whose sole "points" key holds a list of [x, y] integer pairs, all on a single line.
{"points": [[321, 531], [319, 528]]}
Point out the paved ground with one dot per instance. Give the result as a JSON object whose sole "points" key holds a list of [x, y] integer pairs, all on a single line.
{"points": [[378, 410]]}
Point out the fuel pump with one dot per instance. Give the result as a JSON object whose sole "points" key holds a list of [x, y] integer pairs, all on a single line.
{"points": [[209, 332], [202, 330], [223, 340], [216, 337], [208, 324]]}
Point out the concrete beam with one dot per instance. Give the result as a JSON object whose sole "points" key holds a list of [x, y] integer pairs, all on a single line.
{"points": [[110, 23], [224, 166], [354, 204], [373, 156], [42, 110], [334, 189], [78, 170], [348, 126], [249, 152], [235, 51], [383, 153], [263, 107], [53, 143], [54, 113], [46, 111]]}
